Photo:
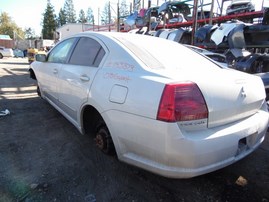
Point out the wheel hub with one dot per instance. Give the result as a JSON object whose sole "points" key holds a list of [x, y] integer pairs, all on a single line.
{"points": [[99, 141]]}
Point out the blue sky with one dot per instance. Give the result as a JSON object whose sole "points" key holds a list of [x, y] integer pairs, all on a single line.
{"points": [[28, 13]]}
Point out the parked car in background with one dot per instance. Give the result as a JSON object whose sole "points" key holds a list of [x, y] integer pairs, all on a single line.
{"points": [[6, 52], [32, 52], [143, 98], [240, 6], [18, 53]]}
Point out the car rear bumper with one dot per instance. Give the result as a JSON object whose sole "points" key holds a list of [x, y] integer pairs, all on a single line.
{"points": [[165, 150]]}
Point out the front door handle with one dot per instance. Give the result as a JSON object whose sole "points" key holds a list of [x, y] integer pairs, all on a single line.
{"points": [[55, 71]]}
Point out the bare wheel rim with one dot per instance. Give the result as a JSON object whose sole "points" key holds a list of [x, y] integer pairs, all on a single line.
{"points": [[99, 141], [103, 140]]}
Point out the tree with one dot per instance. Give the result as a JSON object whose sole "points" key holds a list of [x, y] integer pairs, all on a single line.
{"points": [[90, 16], [49, 22], [62, 19], [124, 9], [82, 17], [105, 17], [29, 33], [69, 11], [9, 27]]}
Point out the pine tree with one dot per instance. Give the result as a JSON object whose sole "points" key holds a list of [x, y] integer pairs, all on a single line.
{"points": [[124, 9], [105, 17], [90, 16], [82, 17], [61, 20], [49, 22], [69, 11]]}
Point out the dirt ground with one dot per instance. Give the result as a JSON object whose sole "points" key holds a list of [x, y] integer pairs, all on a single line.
{"points": [[44, 158]]}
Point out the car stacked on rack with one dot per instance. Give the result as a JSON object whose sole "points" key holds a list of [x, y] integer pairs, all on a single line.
{"points": [[240, 6]]}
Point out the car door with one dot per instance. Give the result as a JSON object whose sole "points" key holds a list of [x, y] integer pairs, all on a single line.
{"points": [[77, 76], [50, 69]]}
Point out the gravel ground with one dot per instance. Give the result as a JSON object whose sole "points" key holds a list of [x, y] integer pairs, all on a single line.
{"points": [[44, 158]]}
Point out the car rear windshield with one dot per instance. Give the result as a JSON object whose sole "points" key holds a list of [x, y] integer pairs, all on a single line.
{"points": [[146, 57], [158, 53]]}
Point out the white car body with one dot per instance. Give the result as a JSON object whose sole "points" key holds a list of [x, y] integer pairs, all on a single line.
{"points": [[6, 52], [126, 89]]}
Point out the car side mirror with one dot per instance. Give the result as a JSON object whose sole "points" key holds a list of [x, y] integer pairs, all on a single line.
{"points": [[41, 57]]}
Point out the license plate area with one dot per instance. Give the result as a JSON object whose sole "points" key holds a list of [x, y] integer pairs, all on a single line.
{"points": [[246, 143]]}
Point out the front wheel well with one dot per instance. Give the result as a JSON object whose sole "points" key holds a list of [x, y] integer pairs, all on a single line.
{"points": [[32, 74]]}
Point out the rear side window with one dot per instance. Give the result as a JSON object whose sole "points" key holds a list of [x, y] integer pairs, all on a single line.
{"points": [[60, 53], [88, 52]]}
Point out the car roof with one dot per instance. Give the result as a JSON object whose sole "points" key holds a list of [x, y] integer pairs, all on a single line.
{"points": [[156, 53]]}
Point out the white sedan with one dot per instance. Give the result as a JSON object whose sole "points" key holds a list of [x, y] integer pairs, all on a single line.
{"points": [[6, 52], [155, 103]]}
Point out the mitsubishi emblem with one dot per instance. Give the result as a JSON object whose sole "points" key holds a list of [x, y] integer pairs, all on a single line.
{"points": [[243, 93]]}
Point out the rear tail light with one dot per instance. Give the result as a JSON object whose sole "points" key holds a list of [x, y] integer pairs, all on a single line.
{"points": [[182, 102]]}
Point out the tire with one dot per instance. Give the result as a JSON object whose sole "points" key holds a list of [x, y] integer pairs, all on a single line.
{"points": [[1, 56], [38, 91], [103, 140]]}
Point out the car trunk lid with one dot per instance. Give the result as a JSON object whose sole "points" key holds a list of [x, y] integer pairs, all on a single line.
{"points": [[231, 96]]}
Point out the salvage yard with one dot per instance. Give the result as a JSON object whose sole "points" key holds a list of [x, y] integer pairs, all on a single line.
{"points": [[44, 158]]}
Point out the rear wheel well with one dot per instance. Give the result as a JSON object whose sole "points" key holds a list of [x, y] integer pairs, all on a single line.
{"points": [[91, 117], [94, 125]]}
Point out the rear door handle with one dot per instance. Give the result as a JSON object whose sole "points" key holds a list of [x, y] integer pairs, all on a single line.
{"points": [[55, 71], [84, 78]]}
